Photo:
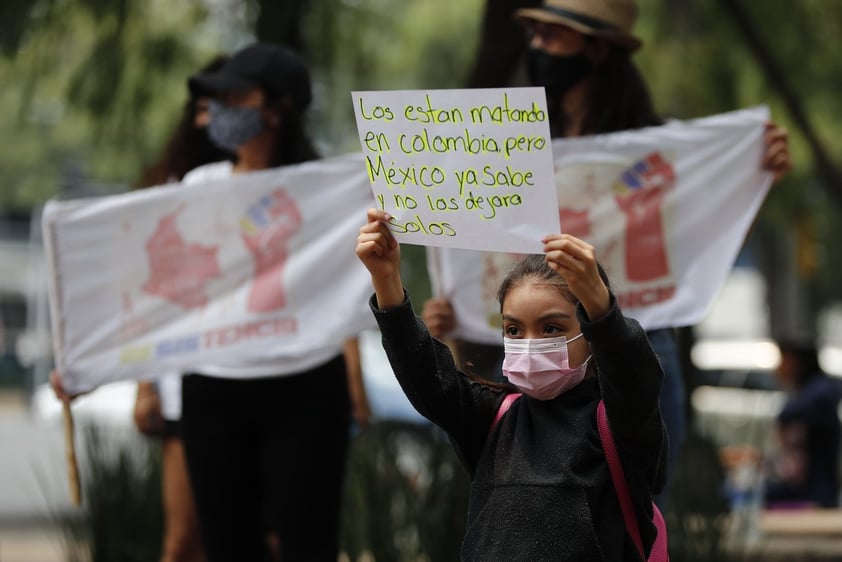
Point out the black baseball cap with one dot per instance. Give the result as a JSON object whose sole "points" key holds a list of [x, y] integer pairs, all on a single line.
{"points": [[276, 69]]}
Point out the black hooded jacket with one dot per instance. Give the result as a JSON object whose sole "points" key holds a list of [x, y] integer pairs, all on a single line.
{"points": [[540, 488]]}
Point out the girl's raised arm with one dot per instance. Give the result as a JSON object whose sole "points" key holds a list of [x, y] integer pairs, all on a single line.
{"points": [[575, 261], [381, 255]]}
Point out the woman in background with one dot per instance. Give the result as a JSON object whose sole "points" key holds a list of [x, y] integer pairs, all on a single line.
{"points": [[806, 468], [157, 410], [580, 52], [266, 441]]}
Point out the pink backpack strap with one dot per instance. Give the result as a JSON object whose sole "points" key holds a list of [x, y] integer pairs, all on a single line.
{"points": [[659, 551], [507, 402]]}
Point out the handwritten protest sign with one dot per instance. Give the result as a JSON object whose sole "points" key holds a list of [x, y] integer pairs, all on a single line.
{"points": [[461, 168]]}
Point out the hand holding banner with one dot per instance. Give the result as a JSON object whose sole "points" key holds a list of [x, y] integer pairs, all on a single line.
{"points": [[250, 270]]}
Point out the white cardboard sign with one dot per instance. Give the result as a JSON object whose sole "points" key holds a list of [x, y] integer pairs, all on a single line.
{"points": [[466, 169]]}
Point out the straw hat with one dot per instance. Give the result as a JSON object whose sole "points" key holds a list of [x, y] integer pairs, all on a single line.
{"points": [[610, 19]]}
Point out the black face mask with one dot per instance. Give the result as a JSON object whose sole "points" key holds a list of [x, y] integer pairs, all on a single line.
{"points": [[557, 74]]}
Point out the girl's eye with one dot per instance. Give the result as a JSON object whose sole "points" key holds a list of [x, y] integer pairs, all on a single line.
{"points": [[511, 331], [552, 330]]}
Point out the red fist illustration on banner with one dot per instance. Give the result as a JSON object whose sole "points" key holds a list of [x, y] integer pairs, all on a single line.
{"points": [[266, 229], [640, 193]]}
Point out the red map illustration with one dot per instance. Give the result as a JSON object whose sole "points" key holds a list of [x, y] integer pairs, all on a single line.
{"points": [[179, 270]]}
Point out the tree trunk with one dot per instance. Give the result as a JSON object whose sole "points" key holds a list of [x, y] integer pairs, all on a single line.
{"points": [[830, 174], [280, 22]]}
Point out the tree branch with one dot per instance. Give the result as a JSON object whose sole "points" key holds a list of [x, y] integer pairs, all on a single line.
{"points": [[828, 171]]}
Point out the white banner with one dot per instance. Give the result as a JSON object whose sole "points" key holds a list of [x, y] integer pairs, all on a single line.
{"points": [[254, 268], [667, 209]]}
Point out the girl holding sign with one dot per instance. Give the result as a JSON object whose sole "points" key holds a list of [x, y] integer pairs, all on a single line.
{"points": [[580, 53], [541, 485]]}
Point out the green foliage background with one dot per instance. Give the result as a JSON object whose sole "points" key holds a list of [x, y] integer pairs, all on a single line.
{"points": [[91, 88], [97, 83]]}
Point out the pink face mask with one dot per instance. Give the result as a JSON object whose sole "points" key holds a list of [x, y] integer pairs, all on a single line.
{"points": [[540, 368]]}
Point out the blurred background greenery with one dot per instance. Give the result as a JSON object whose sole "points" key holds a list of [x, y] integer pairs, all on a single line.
{"points": [[91, 88]]}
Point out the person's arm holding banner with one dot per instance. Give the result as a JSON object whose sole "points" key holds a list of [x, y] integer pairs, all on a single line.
{"points": [[360, 407], [440, 319], [438, 316], [776, 156], [61, 392], [147, 409]]}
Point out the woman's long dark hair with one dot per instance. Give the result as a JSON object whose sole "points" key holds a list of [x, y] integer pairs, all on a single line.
{"points": [[293, 144], [188, 146], [617, 97]]}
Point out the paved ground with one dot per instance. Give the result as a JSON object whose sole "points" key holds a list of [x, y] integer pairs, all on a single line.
{"points": [[33, 480], [33, 484], [33, 473], [30, 543]]}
